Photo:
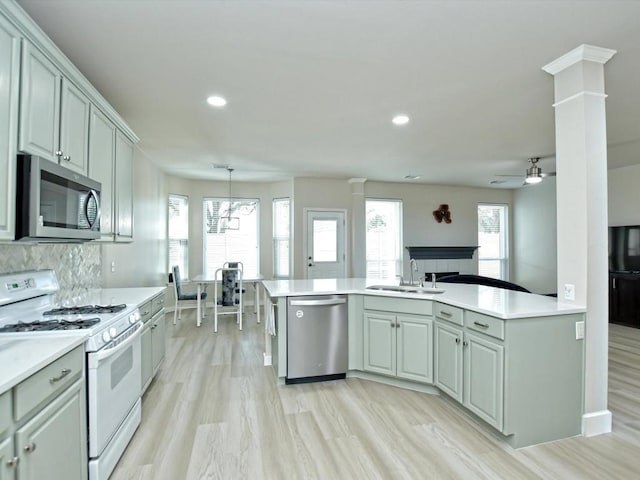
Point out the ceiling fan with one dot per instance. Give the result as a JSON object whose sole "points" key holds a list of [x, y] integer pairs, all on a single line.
{"points": [[533, 174]]}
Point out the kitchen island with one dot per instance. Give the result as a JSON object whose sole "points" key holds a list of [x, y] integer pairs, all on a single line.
{"points": [[512, 359]]}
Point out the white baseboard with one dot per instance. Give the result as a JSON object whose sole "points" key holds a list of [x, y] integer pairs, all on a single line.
{"points": [[596, 423]]}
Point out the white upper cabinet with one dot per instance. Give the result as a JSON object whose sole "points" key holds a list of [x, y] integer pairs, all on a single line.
{"points": [[74, 128], [9, 90], [39, 104], [123, 188], [54, 118], [102, 144]]}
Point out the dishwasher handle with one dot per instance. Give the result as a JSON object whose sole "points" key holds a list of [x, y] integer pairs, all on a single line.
{"points": [[316, 303]]}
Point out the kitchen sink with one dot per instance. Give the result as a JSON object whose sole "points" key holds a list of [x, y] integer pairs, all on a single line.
{"points": [[406, 288]]}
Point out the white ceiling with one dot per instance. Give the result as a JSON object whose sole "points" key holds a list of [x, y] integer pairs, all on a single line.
{"points": [[312, 85]]}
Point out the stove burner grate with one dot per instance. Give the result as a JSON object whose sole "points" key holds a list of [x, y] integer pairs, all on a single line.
{"points": [[47, 325], [86, 310]]}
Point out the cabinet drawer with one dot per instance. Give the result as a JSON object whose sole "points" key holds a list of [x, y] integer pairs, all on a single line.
{"points": [[399, 305], [449, 313], [157, 304], [48, 382], [146, 311], [482, 323], [5, 412]]}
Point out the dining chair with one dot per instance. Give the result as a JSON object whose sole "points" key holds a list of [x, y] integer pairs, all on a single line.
{"points": [[231, 299], [183, 297]]}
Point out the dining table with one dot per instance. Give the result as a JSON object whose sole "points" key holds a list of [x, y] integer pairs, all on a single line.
{"points": [[205, 279]]}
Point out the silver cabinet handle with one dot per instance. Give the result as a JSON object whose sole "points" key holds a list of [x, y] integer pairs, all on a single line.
{"points": [[63, 373], [66, 158], [58, 153], [465, 344], [457, 341], [316, 303], [13, 463], [483, 325], [30, 447], [445, 313]]}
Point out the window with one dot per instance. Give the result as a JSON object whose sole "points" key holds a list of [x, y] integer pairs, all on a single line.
{"points": [[384, 238], [178, 234], [281, 215], [493, 259], [231, 234]]}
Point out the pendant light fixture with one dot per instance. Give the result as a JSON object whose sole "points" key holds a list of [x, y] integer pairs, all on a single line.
{"points": [[229, 222]]}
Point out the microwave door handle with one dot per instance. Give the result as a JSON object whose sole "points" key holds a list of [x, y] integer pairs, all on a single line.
{"points": [[94, 194]]}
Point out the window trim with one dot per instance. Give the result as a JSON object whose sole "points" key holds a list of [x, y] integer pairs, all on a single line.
{"points": [[505, 260], [400, 260], [185, 268], [276, 238]]}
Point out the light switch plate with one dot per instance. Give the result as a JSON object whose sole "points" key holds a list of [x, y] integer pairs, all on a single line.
{"points": [[579, 330]]}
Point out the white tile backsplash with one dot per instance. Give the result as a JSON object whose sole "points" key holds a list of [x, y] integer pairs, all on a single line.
{"points": [[77, 266]]}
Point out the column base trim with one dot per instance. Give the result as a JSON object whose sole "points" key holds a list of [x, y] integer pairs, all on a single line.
{"points": [[596, 423]]}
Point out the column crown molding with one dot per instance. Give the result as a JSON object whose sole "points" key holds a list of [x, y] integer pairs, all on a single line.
{"points": [[584, 52], [357, 180]]}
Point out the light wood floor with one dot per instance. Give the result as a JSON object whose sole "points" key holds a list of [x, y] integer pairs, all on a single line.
{"points": [[214, 412]]}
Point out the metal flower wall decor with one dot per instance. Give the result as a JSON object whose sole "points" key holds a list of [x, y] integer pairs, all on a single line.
{"points": [[442, 213]]}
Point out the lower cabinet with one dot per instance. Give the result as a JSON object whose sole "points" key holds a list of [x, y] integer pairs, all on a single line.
{"points": [[153, 338], [470, 369], [398, 345], [52, 445]]}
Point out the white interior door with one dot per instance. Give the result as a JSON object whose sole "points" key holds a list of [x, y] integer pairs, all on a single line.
{"points": [[325, 256]]}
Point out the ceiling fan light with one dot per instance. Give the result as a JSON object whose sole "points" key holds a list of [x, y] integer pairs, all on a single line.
{"points": [[533, 179]]}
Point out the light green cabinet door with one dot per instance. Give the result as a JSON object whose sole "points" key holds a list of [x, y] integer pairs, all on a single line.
{"points": [[102, 154], [415, 351], [124, 188], [8, 462], [39, 104], [380, 343], [448, 359], [484, 379], [53, 444], [74, 128], [157, 341], [146, 360], [9, 90]]}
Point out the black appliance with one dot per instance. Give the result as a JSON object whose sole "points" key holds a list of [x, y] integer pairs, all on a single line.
{"points": [[55, 204], [624, 248]]}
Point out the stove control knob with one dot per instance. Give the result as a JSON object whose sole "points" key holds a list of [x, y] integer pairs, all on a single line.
{"points": [[132, 318], [106, 337], [113, 332]]}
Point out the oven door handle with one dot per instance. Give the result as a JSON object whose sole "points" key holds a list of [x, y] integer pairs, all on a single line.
{"points": [[97, 357]]}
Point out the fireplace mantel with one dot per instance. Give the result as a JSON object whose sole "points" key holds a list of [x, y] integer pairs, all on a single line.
{"points": [[441, 253]]}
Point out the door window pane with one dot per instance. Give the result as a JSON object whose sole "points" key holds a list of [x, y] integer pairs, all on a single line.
{"points": [[325, 241]]}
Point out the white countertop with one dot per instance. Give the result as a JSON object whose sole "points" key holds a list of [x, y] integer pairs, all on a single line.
{"points": [[497, 302], [23, 355]]}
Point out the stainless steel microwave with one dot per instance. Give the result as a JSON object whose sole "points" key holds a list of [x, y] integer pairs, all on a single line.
{"points": [[55, 204]]}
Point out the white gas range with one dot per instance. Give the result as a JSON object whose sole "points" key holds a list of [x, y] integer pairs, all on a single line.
{"points": [[113, 360]]}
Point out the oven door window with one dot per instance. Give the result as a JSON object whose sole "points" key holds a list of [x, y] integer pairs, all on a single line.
{"points": [[66, 204]]}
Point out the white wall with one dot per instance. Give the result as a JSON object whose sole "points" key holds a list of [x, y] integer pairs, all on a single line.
{"points": [[143, 262], [534, 247], [624, 196], [421, 229]]}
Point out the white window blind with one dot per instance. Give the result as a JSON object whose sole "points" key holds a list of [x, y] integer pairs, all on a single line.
{"points": [[281, 236], [493, 259], [178, 235], [384, 238], [231, 234]]}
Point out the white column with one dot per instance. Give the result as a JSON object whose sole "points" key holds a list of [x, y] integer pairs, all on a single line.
{"points": [[358, 228], [581, 165]]}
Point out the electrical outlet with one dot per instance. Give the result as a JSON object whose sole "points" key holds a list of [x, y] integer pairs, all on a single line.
{"points": [[569, 291], [579, 330], [113, 267]]}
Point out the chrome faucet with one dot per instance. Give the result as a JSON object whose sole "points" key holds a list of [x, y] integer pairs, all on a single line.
{"points": [[413, 267], [433, 280]]}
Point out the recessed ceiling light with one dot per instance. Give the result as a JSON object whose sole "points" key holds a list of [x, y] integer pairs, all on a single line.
{"points": [[400, 119], [216, 101]]}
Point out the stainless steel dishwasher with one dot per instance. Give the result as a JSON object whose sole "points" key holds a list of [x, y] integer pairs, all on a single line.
{"points": [[317, 330]]}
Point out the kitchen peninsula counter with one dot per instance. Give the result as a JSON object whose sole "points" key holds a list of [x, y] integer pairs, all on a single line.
{"points": [[512, 359]]}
